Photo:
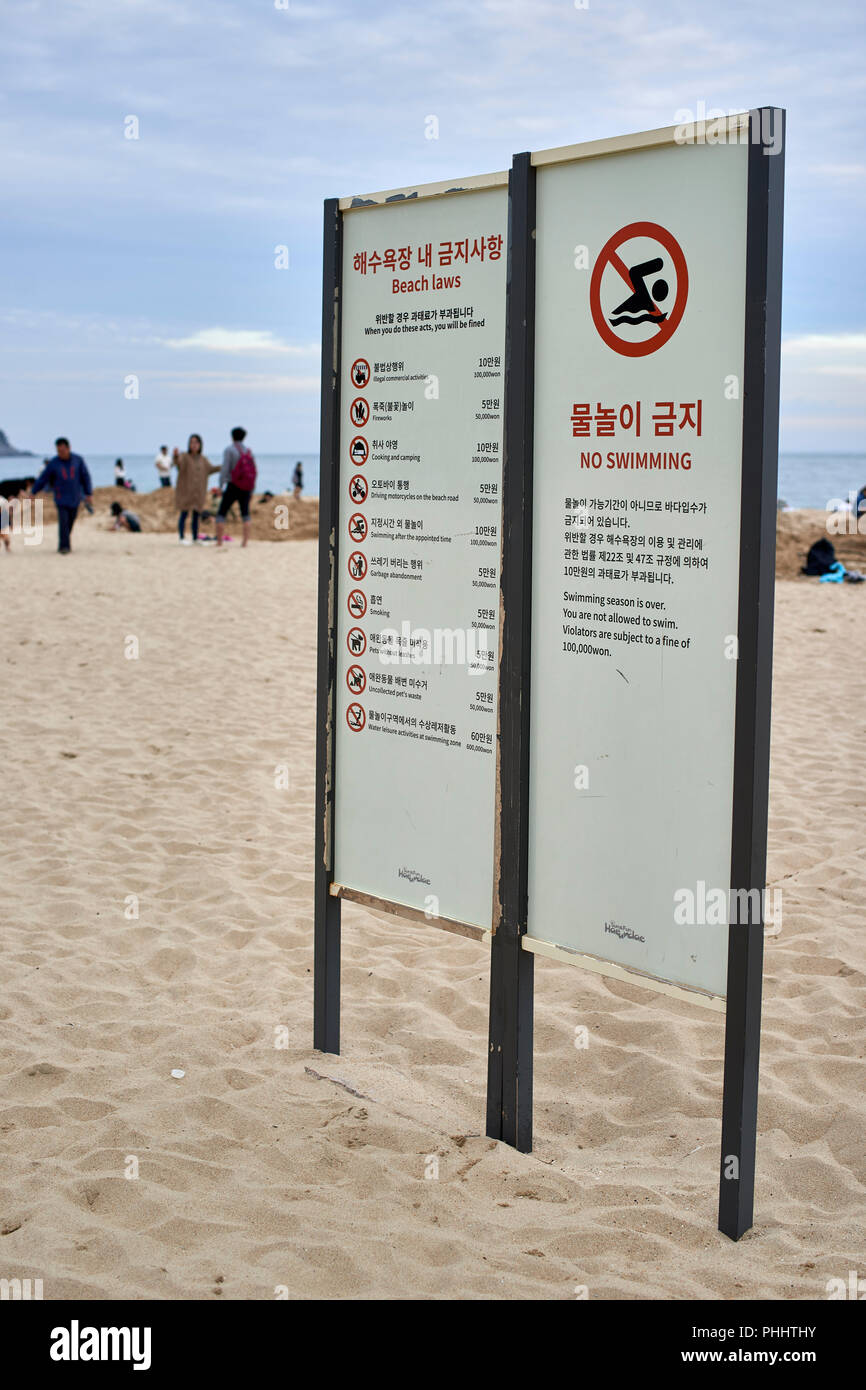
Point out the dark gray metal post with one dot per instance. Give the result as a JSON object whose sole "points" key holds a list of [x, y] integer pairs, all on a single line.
{"points": [[754, 669], [326, 965], [509, 1068]]}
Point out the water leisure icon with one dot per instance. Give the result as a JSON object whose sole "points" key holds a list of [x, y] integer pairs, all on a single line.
{"points": [[358, 489], [357, 603], [646, 260], [356, 641], [360, 373], [357, 565], [356, 717], [357, 532], [359, 412], [356, 679]]}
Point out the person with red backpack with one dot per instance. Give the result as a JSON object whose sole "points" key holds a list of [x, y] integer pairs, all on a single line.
{"points": [[237, 479]]}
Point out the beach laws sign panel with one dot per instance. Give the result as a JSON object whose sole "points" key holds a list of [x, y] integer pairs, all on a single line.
{"points": [[417, 593], [640, 313]]}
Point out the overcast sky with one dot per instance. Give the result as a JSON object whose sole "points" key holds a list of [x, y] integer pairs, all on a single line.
{"points": [[155, 256]]}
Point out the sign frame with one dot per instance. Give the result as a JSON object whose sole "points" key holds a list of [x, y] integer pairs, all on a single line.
{"points": [[510, 1062]]}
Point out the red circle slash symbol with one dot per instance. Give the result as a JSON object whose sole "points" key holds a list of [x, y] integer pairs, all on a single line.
{"points": [[360, 373], [359, 451], [357, 603], [356, 641], [645, 308], [358, 531], [358, 489], [356, 717], [359, 412], [356, 679], [357, 565]]}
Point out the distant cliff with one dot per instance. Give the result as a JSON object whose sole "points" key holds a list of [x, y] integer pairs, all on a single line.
{"points": [[8, 451]]}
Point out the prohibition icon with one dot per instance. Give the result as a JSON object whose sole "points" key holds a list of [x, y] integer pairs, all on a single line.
{"points": [[359, 450], [358, 489], [357, 565], [357, 603], [645, 310], [359, 411], [356, 679], [356, 717], [358, 530], [360, 372], [356, 641]]}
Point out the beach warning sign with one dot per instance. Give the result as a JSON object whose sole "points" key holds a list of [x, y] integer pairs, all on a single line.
{"points": [[639, 288]]}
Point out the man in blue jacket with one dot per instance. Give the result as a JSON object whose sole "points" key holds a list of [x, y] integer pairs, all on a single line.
{"points": [[67, 476]]}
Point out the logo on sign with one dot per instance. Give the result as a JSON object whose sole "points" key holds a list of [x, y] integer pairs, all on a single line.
{"points": [[639, 288]]}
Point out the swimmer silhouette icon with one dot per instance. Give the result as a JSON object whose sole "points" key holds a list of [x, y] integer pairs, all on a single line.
{"points": [[642, 306]]}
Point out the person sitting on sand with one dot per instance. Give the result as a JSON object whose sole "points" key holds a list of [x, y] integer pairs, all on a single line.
{"points": [[124, 519], [190, 493]]}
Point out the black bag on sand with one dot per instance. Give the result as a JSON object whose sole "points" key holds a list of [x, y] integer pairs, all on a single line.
{"points": [[821, 557]]}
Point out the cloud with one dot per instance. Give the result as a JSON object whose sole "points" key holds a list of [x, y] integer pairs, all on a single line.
{"points": [[819, 346], [241, 340]]}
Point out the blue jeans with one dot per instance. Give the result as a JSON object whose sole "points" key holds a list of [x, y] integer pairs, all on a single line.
{"points": [[65, 522], [181, 524]]}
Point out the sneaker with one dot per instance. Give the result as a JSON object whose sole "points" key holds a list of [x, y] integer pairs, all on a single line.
{"points": [[185, 540]]}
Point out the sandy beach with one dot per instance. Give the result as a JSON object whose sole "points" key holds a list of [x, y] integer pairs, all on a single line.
{"points": [[157, 916]]}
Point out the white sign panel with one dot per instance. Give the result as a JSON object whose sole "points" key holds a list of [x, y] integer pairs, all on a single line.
{"points": [[422, 374], [638, 434]]}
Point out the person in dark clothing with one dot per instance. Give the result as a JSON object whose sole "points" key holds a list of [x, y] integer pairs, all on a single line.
{"points": [[67, 476], [124, 519]]}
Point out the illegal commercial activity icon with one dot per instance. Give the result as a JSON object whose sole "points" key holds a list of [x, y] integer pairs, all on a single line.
{"points": [[639, 288]]}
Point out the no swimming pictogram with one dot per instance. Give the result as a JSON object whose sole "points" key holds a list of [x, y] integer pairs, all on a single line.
{"points": [[639, 261], [358, 532]]}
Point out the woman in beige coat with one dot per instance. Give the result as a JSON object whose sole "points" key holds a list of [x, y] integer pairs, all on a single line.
{"points": [[190, 493]]}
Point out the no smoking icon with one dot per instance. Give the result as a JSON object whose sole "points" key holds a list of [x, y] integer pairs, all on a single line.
{"points": [[639, 288]]}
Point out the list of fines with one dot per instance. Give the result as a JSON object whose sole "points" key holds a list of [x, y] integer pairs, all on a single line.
{"points": [[420, 482]]}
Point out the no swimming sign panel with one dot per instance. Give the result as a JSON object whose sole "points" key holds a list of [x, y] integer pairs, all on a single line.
{"points": [[639, 332]]}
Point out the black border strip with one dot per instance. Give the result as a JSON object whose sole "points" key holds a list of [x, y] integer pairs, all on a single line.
{"points": [[766, 171], [327, 909], [510, 1057]]}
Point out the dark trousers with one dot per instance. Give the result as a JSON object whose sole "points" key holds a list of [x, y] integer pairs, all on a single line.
{"points": [[65, 522], [165, 482], [181, 524]]}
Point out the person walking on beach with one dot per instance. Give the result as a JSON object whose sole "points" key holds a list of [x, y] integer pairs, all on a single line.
{"points": [[298, 480], [237, 478], [67, 476], [162, 463], [190, 493]]}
